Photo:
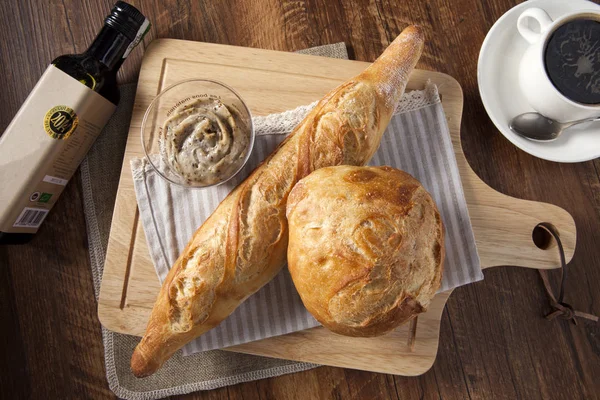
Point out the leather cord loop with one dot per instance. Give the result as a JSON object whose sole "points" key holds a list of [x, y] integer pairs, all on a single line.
{"points": [[559, 307]]}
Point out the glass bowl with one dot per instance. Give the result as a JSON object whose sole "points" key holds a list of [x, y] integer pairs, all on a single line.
{"points": [[168, 103]]}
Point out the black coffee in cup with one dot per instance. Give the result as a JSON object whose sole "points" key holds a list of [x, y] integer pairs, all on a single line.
{"points": [[572, 59]]}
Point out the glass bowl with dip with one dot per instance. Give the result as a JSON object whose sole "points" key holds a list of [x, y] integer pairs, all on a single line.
{"points": [[197, 133]]}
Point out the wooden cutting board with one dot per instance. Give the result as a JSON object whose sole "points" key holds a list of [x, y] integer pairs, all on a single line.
{"points": [[271, 81]]}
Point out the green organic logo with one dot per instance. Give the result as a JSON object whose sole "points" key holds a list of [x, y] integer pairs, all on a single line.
{"points": [[45, 197]]}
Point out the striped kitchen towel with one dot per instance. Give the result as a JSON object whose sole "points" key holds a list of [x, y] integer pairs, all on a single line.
{"points": [[416, 141]]}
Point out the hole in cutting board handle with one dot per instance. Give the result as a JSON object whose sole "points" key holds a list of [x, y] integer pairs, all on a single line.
{"points": [[542, 238]]}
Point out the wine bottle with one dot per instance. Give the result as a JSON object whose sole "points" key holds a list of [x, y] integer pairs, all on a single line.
{"points": [[58, 123]]}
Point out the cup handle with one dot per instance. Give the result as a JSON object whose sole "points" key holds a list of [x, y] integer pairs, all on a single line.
{"points": [[540, 16]]}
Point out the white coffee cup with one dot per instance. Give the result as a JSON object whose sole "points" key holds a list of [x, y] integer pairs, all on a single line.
{"points": [[537, 88]]}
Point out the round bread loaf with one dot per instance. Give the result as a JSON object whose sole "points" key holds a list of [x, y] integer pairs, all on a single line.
{"points": [[366, 247]]}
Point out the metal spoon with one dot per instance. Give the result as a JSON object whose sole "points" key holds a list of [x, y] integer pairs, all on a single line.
{"points": [[535, 126]]}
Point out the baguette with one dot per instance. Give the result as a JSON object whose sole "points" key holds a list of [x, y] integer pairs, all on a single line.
{"points": [[243, 244]]}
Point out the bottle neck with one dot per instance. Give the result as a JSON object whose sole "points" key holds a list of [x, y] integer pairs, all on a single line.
{"points": [[109, 47]]}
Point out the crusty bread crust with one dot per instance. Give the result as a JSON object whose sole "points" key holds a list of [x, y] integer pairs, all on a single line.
{"points": [[243, 244], [366, 247]]}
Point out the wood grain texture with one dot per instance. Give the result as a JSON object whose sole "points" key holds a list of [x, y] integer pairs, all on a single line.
{"points": [[502, 224], [496, 347]]}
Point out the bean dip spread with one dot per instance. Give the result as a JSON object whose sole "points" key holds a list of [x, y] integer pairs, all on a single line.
{"points": [[205, 141]]}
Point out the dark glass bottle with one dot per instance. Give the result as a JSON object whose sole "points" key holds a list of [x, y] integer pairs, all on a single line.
{"points": [[97, 67]]}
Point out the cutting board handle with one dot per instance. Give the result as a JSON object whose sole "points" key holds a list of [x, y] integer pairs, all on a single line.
{"points": [[504, 228], [503, 225]]}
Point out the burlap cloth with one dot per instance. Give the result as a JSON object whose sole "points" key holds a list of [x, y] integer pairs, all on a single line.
{"points": [[202, 371]]}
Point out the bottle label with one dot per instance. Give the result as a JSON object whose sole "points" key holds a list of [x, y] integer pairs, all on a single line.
{"points": [[43, 146], [60, 122], [138, 37]]}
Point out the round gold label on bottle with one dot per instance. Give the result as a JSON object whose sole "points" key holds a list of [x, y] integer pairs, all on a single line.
{"points": [[60, 122]]}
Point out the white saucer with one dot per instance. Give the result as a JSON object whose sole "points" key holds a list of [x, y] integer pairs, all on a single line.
{"points": [[497, 75]]}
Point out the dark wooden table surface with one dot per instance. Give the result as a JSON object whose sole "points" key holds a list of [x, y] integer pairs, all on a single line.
{"points": [[494, 342]]}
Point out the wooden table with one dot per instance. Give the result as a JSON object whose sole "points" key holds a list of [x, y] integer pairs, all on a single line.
{"points": [[494, 341]]}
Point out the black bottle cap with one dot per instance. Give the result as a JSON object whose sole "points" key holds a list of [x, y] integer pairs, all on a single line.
{"points": [[126, 19]]}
